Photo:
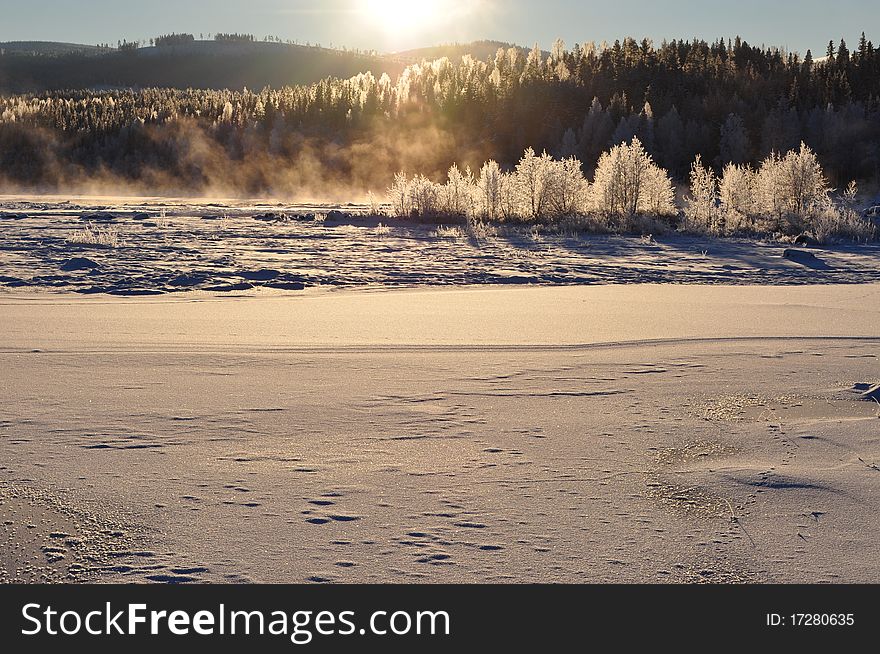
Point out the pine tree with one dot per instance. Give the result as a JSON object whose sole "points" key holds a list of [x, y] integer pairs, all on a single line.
{"points": [[734, 146]]}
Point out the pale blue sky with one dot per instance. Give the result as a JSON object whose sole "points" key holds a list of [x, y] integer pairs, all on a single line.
{"points": [[794, 24]]}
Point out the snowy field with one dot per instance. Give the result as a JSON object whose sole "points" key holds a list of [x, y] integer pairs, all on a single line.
{"points": [[707, 421], [160, 246]]}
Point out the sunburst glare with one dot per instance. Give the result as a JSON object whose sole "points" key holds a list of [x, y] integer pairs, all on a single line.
{"points": [[405, 15]]}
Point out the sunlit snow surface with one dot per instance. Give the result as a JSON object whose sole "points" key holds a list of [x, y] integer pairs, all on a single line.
{"points": [[254, 426], [171, 246]]}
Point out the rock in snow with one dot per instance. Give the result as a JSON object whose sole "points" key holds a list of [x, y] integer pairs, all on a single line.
{"points": [[79, 263]]}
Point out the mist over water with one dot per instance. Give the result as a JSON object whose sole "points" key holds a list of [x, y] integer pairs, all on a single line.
{"points": [[195, 163]]}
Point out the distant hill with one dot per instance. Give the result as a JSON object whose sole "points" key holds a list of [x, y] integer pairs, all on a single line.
{"points": [[201, 64], [29, 67], [47, 48]]}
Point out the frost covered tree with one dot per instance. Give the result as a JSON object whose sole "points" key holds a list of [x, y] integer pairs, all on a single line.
{"points": [[495, 108], [659, 194], [627, 129], [701, 205], [557, 61], [734, 146], [568, 147], [457, 195], [769, 200], [423, 196], [788, 193], [670, 141], [226, 116], [618, 180], [489, 190], [530, 183], [534, 65], [624, 176], [595, 133], [803, 183], [792, 188], [737, 192], [646, 127], [413, 197], [565, 187], [398, 195], [850, 194], [508, 201]]}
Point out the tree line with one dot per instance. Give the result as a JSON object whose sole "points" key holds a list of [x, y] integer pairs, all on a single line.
{"points": [[727, 101], [786, 196]]}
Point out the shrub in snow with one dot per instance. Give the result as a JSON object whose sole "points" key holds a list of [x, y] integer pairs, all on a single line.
{"points": [[413, 197], [97, 236], [835, 223], [843, 221], [373, 203], [423, 196]]}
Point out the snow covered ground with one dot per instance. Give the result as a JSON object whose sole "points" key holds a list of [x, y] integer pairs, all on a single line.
{"points": [[574, 431], [170, 246], [606, 433]]}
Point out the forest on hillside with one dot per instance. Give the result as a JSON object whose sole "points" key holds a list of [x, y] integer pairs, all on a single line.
{"points": [[727, 101]]}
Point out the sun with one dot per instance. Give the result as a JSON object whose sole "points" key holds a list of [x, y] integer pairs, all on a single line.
{"points": [[403, 15]]}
